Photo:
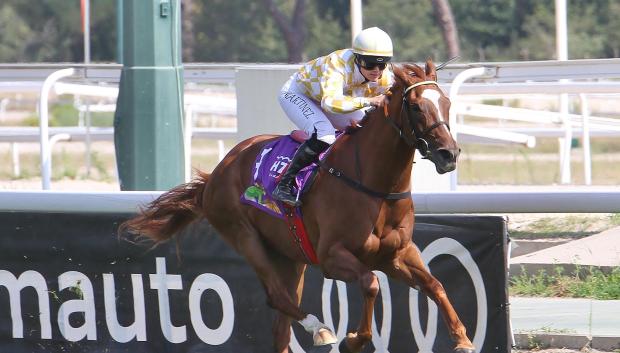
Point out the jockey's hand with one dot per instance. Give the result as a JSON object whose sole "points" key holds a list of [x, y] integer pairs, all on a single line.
{"points": [[378, 101]]}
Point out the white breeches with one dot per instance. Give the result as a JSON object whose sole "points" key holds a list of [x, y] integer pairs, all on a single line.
{"points": [[307, 114]]}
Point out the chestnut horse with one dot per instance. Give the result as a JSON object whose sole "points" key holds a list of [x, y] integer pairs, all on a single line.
{"points": [[354, 229]]}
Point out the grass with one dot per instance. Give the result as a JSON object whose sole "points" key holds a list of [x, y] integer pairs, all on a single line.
{"points": [[588, 282], [509, 164], [566, 227], [69, 160], [527, 170]]}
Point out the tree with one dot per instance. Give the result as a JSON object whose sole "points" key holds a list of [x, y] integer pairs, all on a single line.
{"points": [[187, 25], [412, 27], [293, 29], [13, 32], [445, 19]]}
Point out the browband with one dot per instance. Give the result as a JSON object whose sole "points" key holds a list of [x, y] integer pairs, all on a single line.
{"points": [[419, 84]]}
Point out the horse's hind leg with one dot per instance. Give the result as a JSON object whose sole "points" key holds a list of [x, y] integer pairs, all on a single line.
{"points": [[249, 244], [343, 265], [410, 269]]}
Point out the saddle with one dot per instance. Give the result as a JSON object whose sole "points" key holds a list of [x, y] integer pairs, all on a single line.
{"points": [[267, 169]]}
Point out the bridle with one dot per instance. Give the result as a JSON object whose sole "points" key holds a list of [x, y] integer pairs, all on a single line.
{"points": [[417, 138], [411, 139]]}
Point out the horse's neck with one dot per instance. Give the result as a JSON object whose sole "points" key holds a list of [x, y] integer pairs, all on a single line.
{"points": [[385, 160]]}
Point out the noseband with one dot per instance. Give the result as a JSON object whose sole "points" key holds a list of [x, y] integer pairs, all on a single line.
{"points": [[417, 139]]}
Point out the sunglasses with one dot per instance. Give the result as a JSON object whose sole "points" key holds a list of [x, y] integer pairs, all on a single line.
{"points": [[371, 66]]}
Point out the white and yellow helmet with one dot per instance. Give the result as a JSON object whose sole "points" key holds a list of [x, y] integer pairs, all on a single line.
{"points": [[373, 45]]}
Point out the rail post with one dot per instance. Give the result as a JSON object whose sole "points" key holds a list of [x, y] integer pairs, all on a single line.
{"points": [[454, 89], [46, 155], [148, 123]]}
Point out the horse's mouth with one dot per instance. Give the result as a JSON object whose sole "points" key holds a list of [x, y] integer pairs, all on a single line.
{"points": [[445, 160], [445, 168]]}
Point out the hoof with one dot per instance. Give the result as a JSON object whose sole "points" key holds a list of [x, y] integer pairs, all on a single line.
{"points": [[320, 349], [464, 350], [324, 337], [342, 347]]}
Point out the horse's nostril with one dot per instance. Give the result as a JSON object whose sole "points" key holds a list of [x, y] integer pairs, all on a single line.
{"points": [[447, 155]]}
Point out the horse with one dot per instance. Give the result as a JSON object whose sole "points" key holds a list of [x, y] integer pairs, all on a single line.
{"points": [[370, 228]]}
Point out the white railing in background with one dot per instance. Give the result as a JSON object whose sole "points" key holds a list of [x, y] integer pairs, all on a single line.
{"points": [[489, 78], [584, 123]]}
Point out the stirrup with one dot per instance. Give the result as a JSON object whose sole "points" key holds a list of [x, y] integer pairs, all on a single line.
{"points": [[284, 193]]}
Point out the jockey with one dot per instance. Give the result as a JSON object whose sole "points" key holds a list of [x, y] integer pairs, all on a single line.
{"points": [[330, 93]]}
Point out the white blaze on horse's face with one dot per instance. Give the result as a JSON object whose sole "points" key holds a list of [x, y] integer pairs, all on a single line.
{"points": [[433, 96]]}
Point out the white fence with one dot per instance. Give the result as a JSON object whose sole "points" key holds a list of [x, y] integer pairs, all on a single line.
{"points": [[259, 99], [565, 201]]}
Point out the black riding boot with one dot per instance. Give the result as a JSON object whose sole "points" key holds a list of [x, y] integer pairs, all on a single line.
{"points": [[307, 153]]}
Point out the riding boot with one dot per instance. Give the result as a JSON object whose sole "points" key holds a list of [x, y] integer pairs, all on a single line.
{"points": [[307, 153]]}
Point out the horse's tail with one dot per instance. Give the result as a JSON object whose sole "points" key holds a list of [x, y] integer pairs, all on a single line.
{"points": [[172, 211]]}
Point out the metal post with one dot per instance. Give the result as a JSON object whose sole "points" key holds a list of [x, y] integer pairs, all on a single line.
{"points": [[15, 156], [454, 89], [87, 140], [356, 18], [561, 30], [561, 45], [53, 140], [187, 141], [46, 155], [585, 130], [86, 30], [148, 123], [119, 31]]}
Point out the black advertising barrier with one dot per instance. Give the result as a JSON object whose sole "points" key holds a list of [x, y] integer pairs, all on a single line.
{"points": [[68, 284]]}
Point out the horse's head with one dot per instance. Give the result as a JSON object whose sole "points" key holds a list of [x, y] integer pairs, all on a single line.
{"points": [[424, 115]]}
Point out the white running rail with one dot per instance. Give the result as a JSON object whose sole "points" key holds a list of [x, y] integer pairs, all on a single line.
{"points": [[471, 202]]}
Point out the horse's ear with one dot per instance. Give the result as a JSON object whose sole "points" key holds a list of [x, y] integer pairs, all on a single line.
{"points": [[415, 70], [430, 70]]}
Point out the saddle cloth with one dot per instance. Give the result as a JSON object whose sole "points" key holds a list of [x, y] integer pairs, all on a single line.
{"points": [[267, 170]]}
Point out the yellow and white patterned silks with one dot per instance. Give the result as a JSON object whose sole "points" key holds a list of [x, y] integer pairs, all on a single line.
{"points": [[337, 83]]}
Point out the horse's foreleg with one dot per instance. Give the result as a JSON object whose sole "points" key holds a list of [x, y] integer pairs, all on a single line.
{"points": [[410, 269], [293, 274], [343, 265]]}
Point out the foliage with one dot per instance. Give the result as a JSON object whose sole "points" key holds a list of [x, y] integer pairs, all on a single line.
{"points": [[411, 26], [243, 31], [63, 114], [569, 227], [489, 30], [583, 283]]}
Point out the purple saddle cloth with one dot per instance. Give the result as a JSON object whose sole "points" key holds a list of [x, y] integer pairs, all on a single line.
{"points": [[269, 165]]}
